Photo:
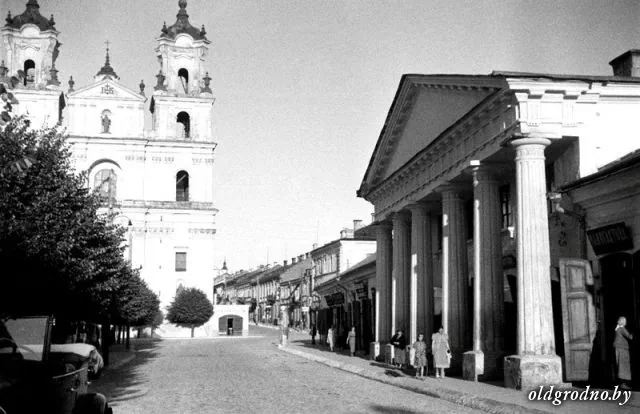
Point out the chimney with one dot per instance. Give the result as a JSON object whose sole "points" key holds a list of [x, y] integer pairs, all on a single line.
{"points": [[315, 246], [306, 256], [285, 262], [357, 225], [293, 260], [301, 257], [627, 64]]}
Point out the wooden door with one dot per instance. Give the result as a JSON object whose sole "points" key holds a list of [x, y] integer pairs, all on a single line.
{"points": [[578, 317]]}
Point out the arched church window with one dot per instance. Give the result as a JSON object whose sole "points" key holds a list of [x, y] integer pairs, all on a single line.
{"points": [[183, 77], [182, 186], [184, 125], [104, 183], [29, 71], [105, 119]]}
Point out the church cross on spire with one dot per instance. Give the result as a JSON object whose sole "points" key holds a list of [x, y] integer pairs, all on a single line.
{"points": [[107, 70]]}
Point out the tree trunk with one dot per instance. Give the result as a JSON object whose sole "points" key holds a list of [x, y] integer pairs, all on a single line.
{"points": [[139, 332], [192, 329], [128, 337], [106, 339]]}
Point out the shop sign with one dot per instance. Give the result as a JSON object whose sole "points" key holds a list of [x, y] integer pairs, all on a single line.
{"points": [[361, 293], [612, 238], [335, 299]]}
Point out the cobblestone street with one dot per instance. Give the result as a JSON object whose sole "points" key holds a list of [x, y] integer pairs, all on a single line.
{"points": [[231, 375]]}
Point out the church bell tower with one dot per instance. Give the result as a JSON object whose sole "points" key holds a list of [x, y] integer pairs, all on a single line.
{"points": [[182, 101]]}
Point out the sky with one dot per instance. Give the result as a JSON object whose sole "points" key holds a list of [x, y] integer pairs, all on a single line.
{"points": [[303, 87]]}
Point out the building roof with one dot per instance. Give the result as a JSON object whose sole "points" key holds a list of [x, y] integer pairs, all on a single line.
{"points": [[30, 16], [182, 25], [494, 82], [370, 259], [366, 233], [296, 270], [624, 163]]}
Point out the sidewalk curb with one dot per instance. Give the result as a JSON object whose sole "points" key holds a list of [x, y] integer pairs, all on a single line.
{"points": [[461, 398]]}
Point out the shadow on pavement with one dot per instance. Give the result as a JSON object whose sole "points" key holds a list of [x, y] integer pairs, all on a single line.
{"points": [[125, 382], [376, 408]]}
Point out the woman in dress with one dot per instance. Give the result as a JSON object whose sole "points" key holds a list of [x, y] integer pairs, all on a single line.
{"points": [[420, 359], [351, 340], [441, 352], [399, 343], [621, 345], [331, 338]]}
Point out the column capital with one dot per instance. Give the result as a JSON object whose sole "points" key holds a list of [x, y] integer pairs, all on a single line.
{"points": [[519, 140], [452, 190], [485, 171], [400, 217], [384, 225], [421, 208]]}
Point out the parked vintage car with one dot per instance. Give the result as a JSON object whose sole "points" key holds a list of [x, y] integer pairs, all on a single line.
{"points": [[36, 377]]}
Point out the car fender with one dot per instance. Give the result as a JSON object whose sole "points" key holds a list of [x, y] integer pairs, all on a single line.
{"points": [[92, 403]]}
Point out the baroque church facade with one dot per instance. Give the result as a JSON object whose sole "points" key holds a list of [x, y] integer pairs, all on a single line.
{"points": [[159, 181]]}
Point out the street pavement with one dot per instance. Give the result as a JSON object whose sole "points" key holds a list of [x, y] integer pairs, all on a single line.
{"points": [[491, 398], [245, 375]]}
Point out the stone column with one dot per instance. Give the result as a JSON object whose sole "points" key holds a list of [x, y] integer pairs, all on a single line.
{"points": [[421, 274], [488, 300], [455, 278], [401, 267], [536, 363], [383, 287]]}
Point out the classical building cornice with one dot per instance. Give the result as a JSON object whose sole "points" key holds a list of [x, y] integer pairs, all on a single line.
{"points": [[400, 112]]}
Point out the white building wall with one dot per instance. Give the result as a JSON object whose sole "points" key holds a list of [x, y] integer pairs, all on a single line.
{"points": [[354, 251]]}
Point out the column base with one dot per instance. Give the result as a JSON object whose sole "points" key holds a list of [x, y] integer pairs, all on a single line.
{"points": [[472, 365], [374, 351], [524, 372], [389, 354]]}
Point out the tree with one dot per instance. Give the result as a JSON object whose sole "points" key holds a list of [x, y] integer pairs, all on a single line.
{"points": [[59, 255], [190, 309]]}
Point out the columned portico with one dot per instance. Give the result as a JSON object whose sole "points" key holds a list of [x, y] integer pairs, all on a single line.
{"points": [[536, 363], [455, 280], [401, 269], [383, 287], [488, 285], [421, 274]]}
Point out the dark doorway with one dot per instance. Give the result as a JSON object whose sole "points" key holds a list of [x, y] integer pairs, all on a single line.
{"points": [[230, 325], [621, 296], [511, 317]]}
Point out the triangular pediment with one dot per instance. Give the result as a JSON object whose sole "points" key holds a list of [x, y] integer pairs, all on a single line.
{"points": [[425, 107], [107, 89]]}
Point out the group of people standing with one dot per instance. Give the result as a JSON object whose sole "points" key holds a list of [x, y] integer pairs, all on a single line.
{"points": [[332, 336], [439, 348], [442, 353]]}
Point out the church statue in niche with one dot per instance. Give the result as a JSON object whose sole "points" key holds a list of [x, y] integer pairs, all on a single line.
{"points": [[106, 123]]}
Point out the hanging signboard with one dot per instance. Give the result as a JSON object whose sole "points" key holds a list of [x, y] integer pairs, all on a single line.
{"points": [[335, 299], [609, 239]]}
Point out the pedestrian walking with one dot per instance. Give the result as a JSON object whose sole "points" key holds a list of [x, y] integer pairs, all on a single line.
{"points": [[351, 341], [314, 332], [399, 342], [420, 359], [331, 338], [623, 358], [441, 352]]}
